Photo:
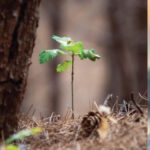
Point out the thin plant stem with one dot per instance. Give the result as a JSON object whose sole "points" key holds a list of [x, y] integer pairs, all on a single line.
{"points": [[72, 86]]}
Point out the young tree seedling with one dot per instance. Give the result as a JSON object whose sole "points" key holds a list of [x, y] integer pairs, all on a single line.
{"points": [[73, 49]]}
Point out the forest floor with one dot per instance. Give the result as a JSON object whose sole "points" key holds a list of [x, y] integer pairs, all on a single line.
{"points": [[129, 133]]}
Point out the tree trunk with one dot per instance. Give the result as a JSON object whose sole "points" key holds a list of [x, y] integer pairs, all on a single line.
{"points": [[55, 23], [56, 27], [128, 46], [18, 24]]}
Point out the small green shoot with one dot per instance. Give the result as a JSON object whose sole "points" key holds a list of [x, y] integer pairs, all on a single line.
{"points": [[72, 48], [12, 147], [20, 135]]}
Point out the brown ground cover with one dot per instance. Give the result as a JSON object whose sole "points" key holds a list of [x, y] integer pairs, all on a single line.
{"points": [[129, 133]]}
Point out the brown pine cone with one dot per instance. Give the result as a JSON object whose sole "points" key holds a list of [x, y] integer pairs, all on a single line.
{"points": [[90, 123]]}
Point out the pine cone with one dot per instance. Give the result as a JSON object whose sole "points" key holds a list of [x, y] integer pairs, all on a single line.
{"points": [[90, 123]]}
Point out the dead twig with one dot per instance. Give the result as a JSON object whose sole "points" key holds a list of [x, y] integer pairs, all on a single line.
{"points": [[115, 105], [136, 105], [108, 99], [142, 97]]}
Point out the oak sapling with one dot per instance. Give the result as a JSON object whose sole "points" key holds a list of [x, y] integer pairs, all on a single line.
{"points": [[73, 49]]}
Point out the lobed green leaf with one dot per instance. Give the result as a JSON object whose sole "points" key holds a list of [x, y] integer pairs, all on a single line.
{"points": [[22, 134], [62, 40], [47, 55], [63, 66], [75, 48], [89, 54]]}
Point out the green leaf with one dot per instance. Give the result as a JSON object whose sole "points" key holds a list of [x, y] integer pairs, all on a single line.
{"points": [[22, 134], [75, 48], [62, 40], [47, 55], [68, 44], [64, 66], [12, 147], [89, 54]]}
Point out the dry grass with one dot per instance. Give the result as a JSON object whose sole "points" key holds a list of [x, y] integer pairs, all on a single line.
{"points": [[130, 133]]}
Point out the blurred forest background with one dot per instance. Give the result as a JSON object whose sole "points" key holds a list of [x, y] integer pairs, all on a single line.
{"points": [[117, 31]]}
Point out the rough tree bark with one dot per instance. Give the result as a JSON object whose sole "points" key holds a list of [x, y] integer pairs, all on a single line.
{"points": [[18, 24]]}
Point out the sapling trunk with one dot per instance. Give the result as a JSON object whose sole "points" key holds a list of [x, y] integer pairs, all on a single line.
{"points": [[72, 85]]}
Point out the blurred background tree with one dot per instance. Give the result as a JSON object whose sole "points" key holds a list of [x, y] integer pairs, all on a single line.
{"points": [[127, 47], [55, 27]]}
